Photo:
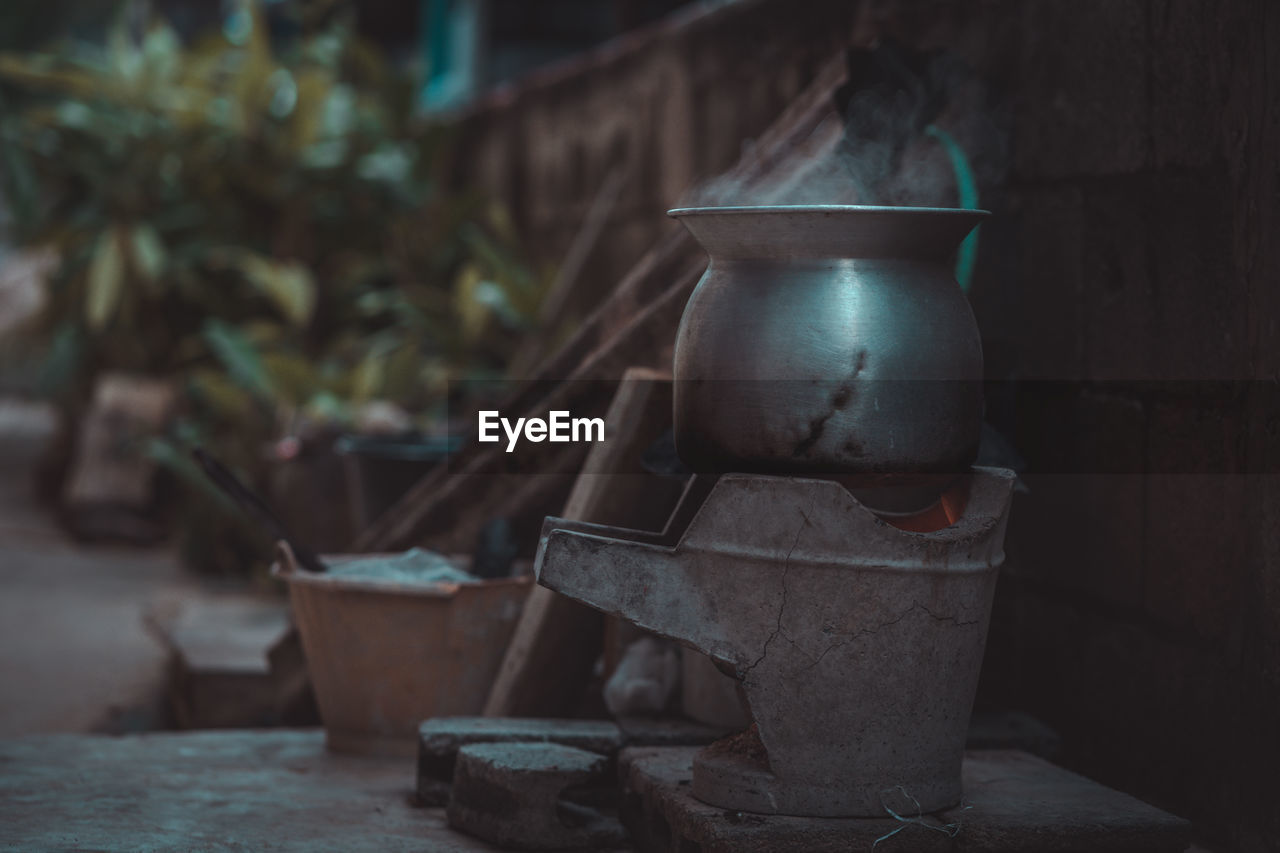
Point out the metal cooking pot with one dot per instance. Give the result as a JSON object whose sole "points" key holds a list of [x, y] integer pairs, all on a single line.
{"points": [[828, 340]]}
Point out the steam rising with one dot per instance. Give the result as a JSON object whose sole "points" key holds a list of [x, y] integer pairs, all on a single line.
{"points": [[878, 149]]}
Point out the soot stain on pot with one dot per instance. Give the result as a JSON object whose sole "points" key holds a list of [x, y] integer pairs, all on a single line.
{"points": [[840, 400], [816, 426]]}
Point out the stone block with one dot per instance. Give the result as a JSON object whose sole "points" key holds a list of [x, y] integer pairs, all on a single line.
{"points": [[220, 675], [440, 738]]}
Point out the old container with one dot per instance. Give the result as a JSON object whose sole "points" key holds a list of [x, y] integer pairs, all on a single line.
{"points": [[828, 339], [383, 657]]}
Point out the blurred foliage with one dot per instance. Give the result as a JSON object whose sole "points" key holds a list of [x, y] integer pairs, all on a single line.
{"points": [[264, 226], [24, 23]]}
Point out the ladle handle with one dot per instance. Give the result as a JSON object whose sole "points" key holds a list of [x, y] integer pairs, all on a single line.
{"points": [[256, 508]]}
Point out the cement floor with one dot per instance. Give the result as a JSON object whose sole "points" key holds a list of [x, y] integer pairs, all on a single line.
{"points": [[230, 790], [74, 653]]}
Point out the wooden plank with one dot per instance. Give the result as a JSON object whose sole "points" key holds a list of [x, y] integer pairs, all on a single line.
{"points": [[634, 327], [557, 641]]}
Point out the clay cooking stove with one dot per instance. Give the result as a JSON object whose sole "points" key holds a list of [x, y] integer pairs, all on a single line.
{"points": [[838, 555]]}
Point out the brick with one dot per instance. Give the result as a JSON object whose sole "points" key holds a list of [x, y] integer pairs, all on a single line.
{"points": [[440, 739], [1082, 91]]}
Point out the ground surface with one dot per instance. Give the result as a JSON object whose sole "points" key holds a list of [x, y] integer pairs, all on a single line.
{"points": [[232, 790], [74, 654]]}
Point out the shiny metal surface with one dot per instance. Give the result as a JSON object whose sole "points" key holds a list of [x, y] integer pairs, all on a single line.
{"points": [[828, 340]]}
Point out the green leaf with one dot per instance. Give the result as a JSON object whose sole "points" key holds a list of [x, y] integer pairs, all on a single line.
{"points": [[239, 358], [288, 285], [472, 312], [221, 396], [369, 377], [106, 276], [295, 378], [327, 408], [148, 252]]}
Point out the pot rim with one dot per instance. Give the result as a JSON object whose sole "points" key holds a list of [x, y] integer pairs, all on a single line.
{"points": [[677, 212], [817, 232]]}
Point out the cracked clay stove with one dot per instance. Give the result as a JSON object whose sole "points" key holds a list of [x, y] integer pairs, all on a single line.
{"points": [[856, 642]]}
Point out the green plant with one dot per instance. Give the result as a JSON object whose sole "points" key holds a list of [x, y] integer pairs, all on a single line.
{"points": [[264, 226]]}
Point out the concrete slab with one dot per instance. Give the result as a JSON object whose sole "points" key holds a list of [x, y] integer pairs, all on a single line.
{"points": [[1013, 801], [277, 790]]}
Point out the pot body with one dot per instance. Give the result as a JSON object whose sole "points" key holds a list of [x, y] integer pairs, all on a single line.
{"points": [[828, 340]]}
